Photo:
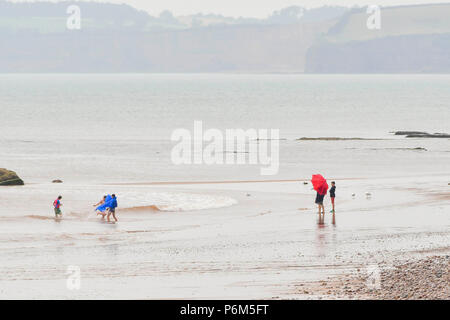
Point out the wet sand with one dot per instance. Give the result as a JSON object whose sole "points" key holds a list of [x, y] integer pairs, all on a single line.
{"points": [[265, 246]]}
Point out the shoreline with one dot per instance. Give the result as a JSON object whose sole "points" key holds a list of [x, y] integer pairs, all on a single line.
{"points": [[219, 182]]}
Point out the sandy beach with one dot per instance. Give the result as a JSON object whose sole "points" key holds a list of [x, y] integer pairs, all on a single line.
{"points": [[268, 243]]}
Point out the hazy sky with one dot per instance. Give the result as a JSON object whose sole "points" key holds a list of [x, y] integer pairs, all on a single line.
{"points": [[247, 8]]}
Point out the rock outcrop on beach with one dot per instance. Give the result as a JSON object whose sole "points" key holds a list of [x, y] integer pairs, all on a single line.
{"points": [[9, 178], [57, 181]]}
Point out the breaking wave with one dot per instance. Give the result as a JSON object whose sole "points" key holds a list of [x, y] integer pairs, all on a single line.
{"points": [[171, 201]]}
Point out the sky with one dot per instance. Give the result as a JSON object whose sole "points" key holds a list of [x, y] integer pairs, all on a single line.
{"points": [[245, 8]]}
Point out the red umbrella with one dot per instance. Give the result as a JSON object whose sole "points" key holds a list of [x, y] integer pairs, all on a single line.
{"points": [[320, 184]]}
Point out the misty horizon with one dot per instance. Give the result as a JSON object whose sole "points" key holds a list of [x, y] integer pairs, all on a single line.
{"points": [[237, 11]]}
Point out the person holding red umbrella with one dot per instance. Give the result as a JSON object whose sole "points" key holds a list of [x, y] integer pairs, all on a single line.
{"points": [[320, 185]]}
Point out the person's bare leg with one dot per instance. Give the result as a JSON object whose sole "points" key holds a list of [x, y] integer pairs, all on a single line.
{"points": [[109, 214], [114, 216]]}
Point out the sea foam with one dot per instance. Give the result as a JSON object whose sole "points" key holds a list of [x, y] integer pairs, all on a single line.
{"points": [[174, 201]]}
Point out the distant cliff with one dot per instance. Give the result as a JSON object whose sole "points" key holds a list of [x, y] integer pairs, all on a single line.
{"points": [[413, 39], [401, 54], [118, 38]]}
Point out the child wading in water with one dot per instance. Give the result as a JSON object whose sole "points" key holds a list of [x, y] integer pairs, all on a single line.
{"points": [[112, 208], [57, 207], [332, 194], [101, 202]]}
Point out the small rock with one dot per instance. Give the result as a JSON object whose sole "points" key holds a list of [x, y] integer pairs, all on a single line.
{"points": [[57, 181]]}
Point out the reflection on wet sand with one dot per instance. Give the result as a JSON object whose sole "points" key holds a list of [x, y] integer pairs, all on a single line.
{"points": [[323, 234], [321, 220], [321, 240]]}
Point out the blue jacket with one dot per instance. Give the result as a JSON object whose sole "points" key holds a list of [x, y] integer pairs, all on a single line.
{"points": [[105, 205], [113, 203]]}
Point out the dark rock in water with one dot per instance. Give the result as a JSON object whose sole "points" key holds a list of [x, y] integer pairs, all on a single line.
{"points": [[407, 133], [9, 178], [440, 135], [305, 182], [421, 134], [57, 181], [428, 135], [414, 149], [332, 139]]}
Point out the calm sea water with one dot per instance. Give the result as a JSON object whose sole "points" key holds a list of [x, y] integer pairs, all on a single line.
{"points": [[117, 127], [149, 107]]}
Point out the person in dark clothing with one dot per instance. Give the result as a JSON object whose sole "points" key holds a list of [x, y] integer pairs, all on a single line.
{"points": [[112, 205], [333, 194], [319, 202]]}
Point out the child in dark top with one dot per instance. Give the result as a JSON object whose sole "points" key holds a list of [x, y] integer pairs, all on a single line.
{"points": [[333, 194]]}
